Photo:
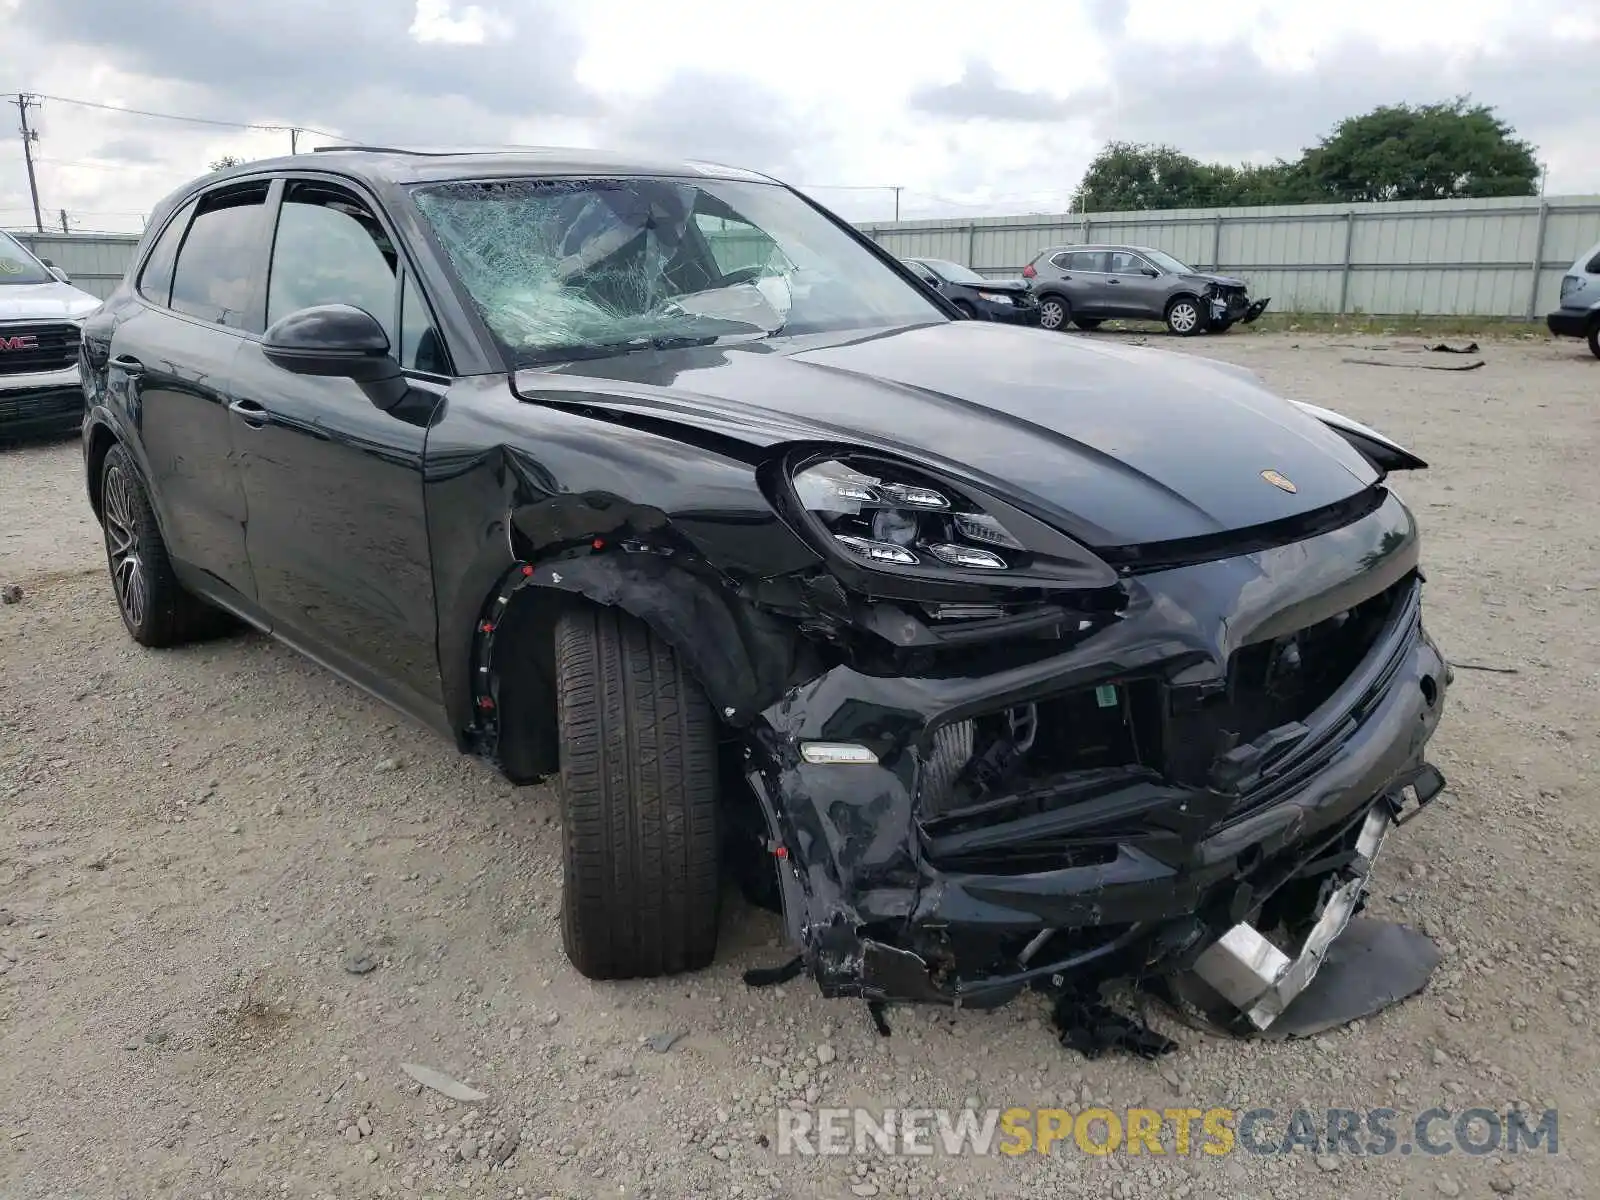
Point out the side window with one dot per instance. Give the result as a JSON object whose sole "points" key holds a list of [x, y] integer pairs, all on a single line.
{"points": [[421, 348], [216, 269], [155, 281], [330, 249], [1087, 260], [1592, 267], [1124, 263]]}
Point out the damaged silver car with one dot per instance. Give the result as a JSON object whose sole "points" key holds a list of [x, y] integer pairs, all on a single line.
{"points": [[995, 660]]}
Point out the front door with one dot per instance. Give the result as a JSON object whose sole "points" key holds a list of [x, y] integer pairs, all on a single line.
{"points": [[1136, 293], [337, 535]]}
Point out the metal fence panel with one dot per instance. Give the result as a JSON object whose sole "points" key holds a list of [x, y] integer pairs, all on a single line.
{"points": [[1499, 257]]}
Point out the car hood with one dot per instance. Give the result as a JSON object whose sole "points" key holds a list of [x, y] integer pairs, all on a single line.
{"points": [[1000, 285], [44, 302], [1223, 280], [1117, 445]]}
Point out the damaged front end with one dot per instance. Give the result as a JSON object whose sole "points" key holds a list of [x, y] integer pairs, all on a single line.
{"points": [[1187, 782]]}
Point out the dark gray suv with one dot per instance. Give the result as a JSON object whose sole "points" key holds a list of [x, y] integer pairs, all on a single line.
{"points": [[1087, 284]]}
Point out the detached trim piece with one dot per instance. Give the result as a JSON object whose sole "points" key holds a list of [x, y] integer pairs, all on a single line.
{"points": [[1259, 979]]}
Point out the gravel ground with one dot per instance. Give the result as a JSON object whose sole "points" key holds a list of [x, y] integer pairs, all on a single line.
{"points": [[238, 895]]}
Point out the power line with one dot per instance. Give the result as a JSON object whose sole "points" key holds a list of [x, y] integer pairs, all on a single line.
{"points": [[166, 116]]}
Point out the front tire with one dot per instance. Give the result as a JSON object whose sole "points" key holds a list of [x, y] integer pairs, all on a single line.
{"points": [[155, 607], [1054, 313], [641, 876], [1184, 317]]}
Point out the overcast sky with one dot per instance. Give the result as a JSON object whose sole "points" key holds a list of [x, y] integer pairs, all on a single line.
{"points": [[970, 108]]}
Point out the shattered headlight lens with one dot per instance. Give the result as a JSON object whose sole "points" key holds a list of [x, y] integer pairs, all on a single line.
{"points": [[902, 521]]}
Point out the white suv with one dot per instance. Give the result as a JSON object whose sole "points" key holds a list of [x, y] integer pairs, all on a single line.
{"points": [[41, 315], [1579, 314]]}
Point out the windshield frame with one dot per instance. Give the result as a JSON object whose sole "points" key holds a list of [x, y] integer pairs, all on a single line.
{"points": [[1164, 261], [23, 277], [927, 307]]}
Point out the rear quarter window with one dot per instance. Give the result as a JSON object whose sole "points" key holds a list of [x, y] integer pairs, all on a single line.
{"points": [[155, 280]]}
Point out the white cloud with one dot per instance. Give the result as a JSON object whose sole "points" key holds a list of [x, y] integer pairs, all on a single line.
{"points": [[435, 22], [968, 111]]}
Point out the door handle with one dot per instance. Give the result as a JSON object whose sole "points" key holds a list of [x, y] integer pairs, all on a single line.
{"points": [[128, 364], [250, 413], [1113, 281]]}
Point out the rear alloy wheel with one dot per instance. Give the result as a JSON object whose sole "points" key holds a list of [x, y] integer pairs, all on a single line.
{"points": [[1184, 317], [154, 605], [639, 818], [1054, 313], [1088, 324]]}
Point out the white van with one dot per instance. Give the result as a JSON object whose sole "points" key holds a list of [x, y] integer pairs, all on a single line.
{"points": [[1579, 314], [41, 315]]}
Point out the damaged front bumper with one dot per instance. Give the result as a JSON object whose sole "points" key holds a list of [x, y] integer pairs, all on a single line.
{"points": [[1177, 863]]}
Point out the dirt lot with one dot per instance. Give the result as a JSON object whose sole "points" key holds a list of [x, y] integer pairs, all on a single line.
{"points": [[196, 846]]}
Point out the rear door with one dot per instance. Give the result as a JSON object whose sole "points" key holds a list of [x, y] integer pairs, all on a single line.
{"points": [[337, 534], [1083, 279], [172, 360]]}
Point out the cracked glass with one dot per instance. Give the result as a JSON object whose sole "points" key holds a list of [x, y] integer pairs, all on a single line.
{"points": [[561, 269]]}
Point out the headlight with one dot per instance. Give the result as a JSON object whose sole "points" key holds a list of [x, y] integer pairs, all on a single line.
{"points": [[888, 517], [995, 297]]}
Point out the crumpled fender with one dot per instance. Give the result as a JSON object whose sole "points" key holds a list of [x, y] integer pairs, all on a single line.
{"points": [[743, 657]]}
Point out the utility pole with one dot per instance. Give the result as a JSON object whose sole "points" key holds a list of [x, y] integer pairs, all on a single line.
{"points": [[294, 140], [64, 227], [24, 102], [897, 204]]}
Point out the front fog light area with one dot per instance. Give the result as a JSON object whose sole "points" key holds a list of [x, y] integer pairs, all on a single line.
{"points": [[888, 516]]}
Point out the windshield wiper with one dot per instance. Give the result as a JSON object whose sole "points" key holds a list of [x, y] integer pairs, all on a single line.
{"points": [[583, 351]]}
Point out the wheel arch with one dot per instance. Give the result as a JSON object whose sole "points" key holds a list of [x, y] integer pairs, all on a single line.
{"points": [[742, 656], [100, 440]]}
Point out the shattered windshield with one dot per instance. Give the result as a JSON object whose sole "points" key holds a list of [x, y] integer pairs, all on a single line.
{"points": [[562, 268]]}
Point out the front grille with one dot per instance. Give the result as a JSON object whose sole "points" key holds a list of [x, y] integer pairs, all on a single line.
{"points": [[38, 346], [33, 404]]}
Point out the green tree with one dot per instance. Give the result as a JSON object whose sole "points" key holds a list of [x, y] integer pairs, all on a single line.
{"points": [[1396, 152], [1126, 176], [1426, 152], [226, 161]]}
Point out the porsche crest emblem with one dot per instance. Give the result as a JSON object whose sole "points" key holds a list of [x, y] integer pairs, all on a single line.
{"points": [[1279, 481]]}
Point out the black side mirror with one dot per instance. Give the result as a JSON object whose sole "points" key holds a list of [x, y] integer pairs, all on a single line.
{"points": [[1152, 272], [337, 341]]}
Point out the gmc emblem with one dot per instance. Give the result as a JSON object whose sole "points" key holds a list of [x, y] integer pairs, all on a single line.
{"points": [[23, 341]]}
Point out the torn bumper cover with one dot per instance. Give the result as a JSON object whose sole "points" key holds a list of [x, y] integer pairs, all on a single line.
{"points": [[1178, 849]]}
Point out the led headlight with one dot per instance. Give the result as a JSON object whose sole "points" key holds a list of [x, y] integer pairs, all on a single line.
{"points": [[901, 521], [995, 297]]}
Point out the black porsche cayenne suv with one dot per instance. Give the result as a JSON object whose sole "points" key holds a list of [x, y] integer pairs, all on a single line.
{"points": [[1003, 656]]}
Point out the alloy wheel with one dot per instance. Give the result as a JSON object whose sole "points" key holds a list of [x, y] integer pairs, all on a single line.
{"points": [[123, 546], [1052, 315], [1183, 317]]}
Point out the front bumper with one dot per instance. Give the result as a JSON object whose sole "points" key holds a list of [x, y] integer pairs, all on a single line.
{"points": [[40, 403], [877, 911], [1009, 314], [1236, 308], [1570, 322]]}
